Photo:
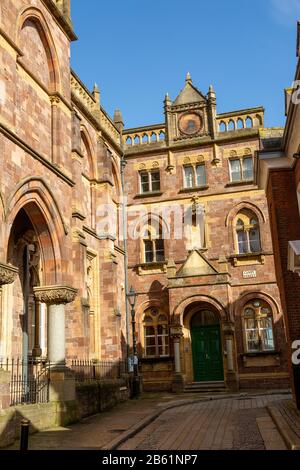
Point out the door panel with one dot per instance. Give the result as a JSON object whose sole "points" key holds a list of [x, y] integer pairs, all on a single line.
{"points": [[207, 354]]}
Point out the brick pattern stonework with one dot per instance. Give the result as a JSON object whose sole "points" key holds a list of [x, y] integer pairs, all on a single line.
{"points": [[61, 167]]}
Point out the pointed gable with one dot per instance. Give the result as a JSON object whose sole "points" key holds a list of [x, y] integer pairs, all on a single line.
{"points": [[189, 94], [196, 265]]}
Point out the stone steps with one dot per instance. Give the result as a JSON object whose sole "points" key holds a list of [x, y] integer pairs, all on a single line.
{"points": [[205, 387]]}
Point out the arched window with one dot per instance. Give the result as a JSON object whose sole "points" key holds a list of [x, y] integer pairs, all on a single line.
{"points": [[231, 125], [258, 326], [222, 127], [154, 251], [156, 333], [247, 233]]}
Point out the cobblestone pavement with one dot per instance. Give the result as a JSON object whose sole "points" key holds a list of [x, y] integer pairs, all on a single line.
{"points": [[231, 423], [290, 413]]}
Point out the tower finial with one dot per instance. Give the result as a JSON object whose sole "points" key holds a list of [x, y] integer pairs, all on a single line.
{"points": [[188, 78], [96, 93]]}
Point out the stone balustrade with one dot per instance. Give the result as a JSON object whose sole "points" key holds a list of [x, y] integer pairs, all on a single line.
{"points": [[144, 136], [89, 102], [239, 120]]}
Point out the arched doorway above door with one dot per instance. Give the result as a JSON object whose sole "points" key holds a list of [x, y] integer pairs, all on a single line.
{"points": [[206, 345]]}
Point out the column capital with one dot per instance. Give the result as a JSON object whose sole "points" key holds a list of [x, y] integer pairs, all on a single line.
{"points": [[7, 274], [176, 332], [55, 295]]}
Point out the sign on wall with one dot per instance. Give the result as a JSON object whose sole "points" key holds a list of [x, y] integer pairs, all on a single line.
{"points": [[249, 274]]}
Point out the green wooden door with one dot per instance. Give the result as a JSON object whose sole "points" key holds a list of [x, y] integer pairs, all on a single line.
{"points": [[207, 353]]}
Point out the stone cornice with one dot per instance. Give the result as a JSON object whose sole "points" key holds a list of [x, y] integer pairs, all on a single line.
{"points": [[66, 26], [158, 148], [7, 274], [55, 295], [11, 42], [16, 140]]}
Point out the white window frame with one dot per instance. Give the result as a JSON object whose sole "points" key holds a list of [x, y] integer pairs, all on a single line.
{"points": [[150, 181], [241, 163], [194, 176]]}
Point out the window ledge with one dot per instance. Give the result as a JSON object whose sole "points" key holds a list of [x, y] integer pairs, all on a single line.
{"points": [[239, 183], [247, 259], [152, 268], [261, 359], [156, 358], [194, 189], [150, 194], [261, 353]]}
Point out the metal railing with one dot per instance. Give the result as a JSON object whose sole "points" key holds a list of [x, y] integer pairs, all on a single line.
{"points": [[86, 371], [29, 380]]}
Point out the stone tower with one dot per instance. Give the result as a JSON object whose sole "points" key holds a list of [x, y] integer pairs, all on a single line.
{"points": [[192, 115]]}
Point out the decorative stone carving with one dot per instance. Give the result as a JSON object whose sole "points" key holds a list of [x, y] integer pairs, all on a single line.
{"points": [[176, 332], [55, 295], [7, 274]]}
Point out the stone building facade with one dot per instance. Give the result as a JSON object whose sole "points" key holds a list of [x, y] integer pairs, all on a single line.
{"points": [[60, 162], [202, 259], [199, 247], [280, 179]]}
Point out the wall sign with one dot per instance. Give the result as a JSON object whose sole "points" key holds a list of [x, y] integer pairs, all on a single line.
{"points": [[249, 274]]}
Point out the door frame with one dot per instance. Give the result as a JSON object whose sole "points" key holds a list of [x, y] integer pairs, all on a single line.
{"points": [[203, 328]]}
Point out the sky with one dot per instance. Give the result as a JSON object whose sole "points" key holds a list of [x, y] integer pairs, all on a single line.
{"points": [[139, 50]]}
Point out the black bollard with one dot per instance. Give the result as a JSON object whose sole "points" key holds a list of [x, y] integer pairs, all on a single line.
{"points": [[24, 434]]}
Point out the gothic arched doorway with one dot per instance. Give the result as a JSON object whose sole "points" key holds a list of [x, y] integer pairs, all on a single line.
{"points": [[26, 250], [206, 346]]}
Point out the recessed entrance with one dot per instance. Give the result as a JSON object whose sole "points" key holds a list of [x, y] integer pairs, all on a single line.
{"points": [[206, 346]]}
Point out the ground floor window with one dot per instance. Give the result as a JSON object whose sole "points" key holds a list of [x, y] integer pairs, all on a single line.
{"points": [[156, 333], [258, 326]]}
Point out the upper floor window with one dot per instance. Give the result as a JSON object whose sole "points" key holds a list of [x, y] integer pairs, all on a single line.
{"points": [[258, 326], [156, 333], [149, 181], [152, 238], [194, 176], [247, 233], [241, 169]]}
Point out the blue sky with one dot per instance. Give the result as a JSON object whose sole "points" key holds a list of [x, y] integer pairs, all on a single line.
{"points": [[137, 50]]}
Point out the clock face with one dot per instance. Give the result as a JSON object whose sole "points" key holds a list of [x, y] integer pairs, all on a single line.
{"points": [[190, 123]]}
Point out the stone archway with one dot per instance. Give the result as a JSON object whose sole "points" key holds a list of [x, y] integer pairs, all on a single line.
{"points": [[35, 297], [30, 249], [206, 345], [203, 343]]}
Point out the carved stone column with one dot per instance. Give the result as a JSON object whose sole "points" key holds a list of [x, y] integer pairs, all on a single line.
{"points": [[7, 274], [231, 376], [56, 297], [176, 335]]}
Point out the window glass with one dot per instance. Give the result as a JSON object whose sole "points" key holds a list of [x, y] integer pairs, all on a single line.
{"points": [[160, 252], [156, 335], [201, 176], [235, 170], [145, 186], [258, 327], [155, 179], [242, 242], [188, 177], [149, 255], [254, 240], [248, 168]]}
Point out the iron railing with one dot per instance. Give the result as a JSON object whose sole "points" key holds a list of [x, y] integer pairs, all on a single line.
{"points": [[29, 380], [86, 371]]}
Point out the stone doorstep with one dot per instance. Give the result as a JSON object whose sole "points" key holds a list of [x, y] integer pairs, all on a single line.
{"points": [[289, 436]]}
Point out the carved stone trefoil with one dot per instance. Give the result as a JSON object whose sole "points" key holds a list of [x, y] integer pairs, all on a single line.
{"points": [[55, 295], [7, 274]]}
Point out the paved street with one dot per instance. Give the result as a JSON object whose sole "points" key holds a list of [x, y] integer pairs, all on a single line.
{"points": [[235, 423], [239, 422]]}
